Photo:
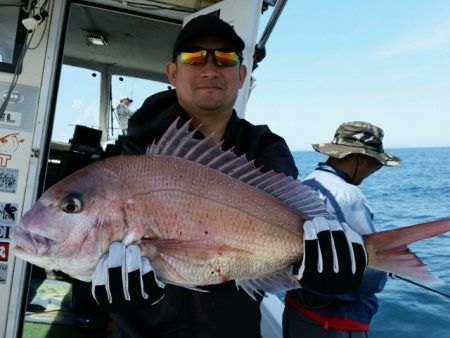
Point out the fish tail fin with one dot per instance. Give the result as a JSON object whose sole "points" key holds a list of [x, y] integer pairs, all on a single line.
{"points": [[388, 251]]}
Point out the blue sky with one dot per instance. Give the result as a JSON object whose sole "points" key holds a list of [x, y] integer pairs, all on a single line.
{"points": [[328, 62], [385, 62]]}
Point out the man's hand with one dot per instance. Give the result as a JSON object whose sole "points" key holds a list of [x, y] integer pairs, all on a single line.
{"points": [[334, 258], [124, 281]]}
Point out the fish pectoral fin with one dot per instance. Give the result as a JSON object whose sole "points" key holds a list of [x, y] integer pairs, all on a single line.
{"points": [[186, 250], [173, 257], [280, 281]]}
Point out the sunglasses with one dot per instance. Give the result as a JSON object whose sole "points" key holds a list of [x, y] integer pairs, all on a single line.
{"points": [[222, 57]]}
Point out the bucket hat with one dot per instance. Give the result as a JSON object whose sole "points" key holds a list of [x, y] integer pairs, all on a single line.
{"points": [[122, 98], [358, 138]]}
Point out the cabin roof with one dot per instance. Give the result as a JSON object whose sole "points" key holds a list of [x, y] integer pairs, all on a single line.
{"points": [[139, 34]]}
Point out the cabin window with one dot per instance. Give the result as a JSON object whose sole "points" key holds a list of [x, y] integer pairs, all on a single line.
{"points": [[79, 96], [136, 89], [78, 102], [12, 36]]}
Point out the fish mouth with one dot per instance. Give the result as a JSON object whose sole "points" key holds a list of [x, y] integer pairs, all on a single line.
{"points": [[30, 243]]}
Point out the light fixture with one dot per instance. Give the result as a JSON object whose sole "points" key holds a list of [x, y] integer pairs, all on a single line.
{"points": [[95, 39]]}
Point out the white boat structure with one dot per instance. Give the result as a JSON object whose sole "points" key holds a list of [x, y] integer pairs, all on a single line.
{"points": [[112, 41]]}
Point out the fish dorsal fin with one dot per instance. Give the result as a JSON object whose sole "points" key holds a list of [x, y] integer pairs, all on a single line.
{"points": [[180, 142]]}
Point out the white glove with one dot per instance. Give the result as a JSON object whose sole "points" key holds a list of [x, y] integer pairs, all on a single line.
{"points": [[122, 275], [334, 258]]}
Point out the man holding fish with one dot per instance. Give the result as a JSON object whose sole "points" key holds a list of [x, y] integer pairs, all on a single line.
{"points": [[207, 72], [182, 234]]}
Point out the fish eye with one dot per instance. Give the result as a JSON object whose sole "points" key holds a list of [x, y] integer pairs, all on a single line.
{"points": [[71, 204]]}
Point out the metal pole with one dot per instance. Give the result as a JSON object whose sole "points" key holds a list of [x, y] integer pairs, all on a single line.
{"points": [[271, 23], [260, 49]]}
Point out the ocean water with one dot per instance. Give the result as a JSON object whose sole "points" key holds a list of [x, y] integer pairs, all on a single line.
{"points": [[416, 191]]}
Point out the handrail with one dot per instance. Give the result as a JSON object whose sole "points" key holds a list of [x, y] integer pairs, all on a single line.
{"points": [[260, 48]]}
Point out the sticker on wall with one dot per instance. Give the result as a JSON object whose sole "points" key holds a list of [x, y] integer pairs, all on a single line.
{"points": [[8, 180], [3, 273], [4, 251], [11, 119], [21, 110], [4, 232], [8, 213], [9, 143]]}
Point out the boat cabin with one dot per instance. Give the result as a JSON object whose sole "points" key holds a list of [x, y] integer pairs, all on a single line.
{"points": [[64, 66]]}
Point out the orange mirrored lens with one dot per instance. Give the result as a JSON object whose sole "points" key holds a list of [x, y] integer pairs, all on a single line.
{"points": [[193, 58], [221, 58], [226, 59]]}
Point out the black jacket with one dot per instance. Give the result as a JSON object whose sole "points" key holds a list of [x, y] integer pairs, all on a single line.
{"points": [[224, 311]]}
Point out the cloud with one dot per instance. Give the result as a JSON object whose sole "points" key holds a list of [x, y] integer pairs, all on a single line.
{"points": [[420, 42], [87, 113], [77, 103]]}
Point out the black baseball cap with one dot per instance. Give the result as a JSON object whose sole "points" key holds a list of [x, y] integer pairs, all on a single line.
{"points": [[207, 25]]}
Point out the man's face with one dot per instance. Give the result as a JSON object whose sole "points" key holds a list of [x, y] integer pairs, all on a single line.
{"points": [[208, 89], [366, 166]]}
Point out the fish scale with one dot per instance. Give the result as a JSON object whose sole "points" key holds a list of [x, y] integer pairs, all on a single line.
{"points": [[216, 216]]}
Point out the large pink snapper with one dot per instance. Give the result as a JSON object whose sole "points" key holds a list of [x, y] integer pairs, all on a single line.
{"points": [[202, 216]]}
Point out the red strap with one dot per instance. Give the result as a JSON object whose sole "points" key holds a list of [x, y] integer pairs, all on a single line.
{"points": [[337, 323]]}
